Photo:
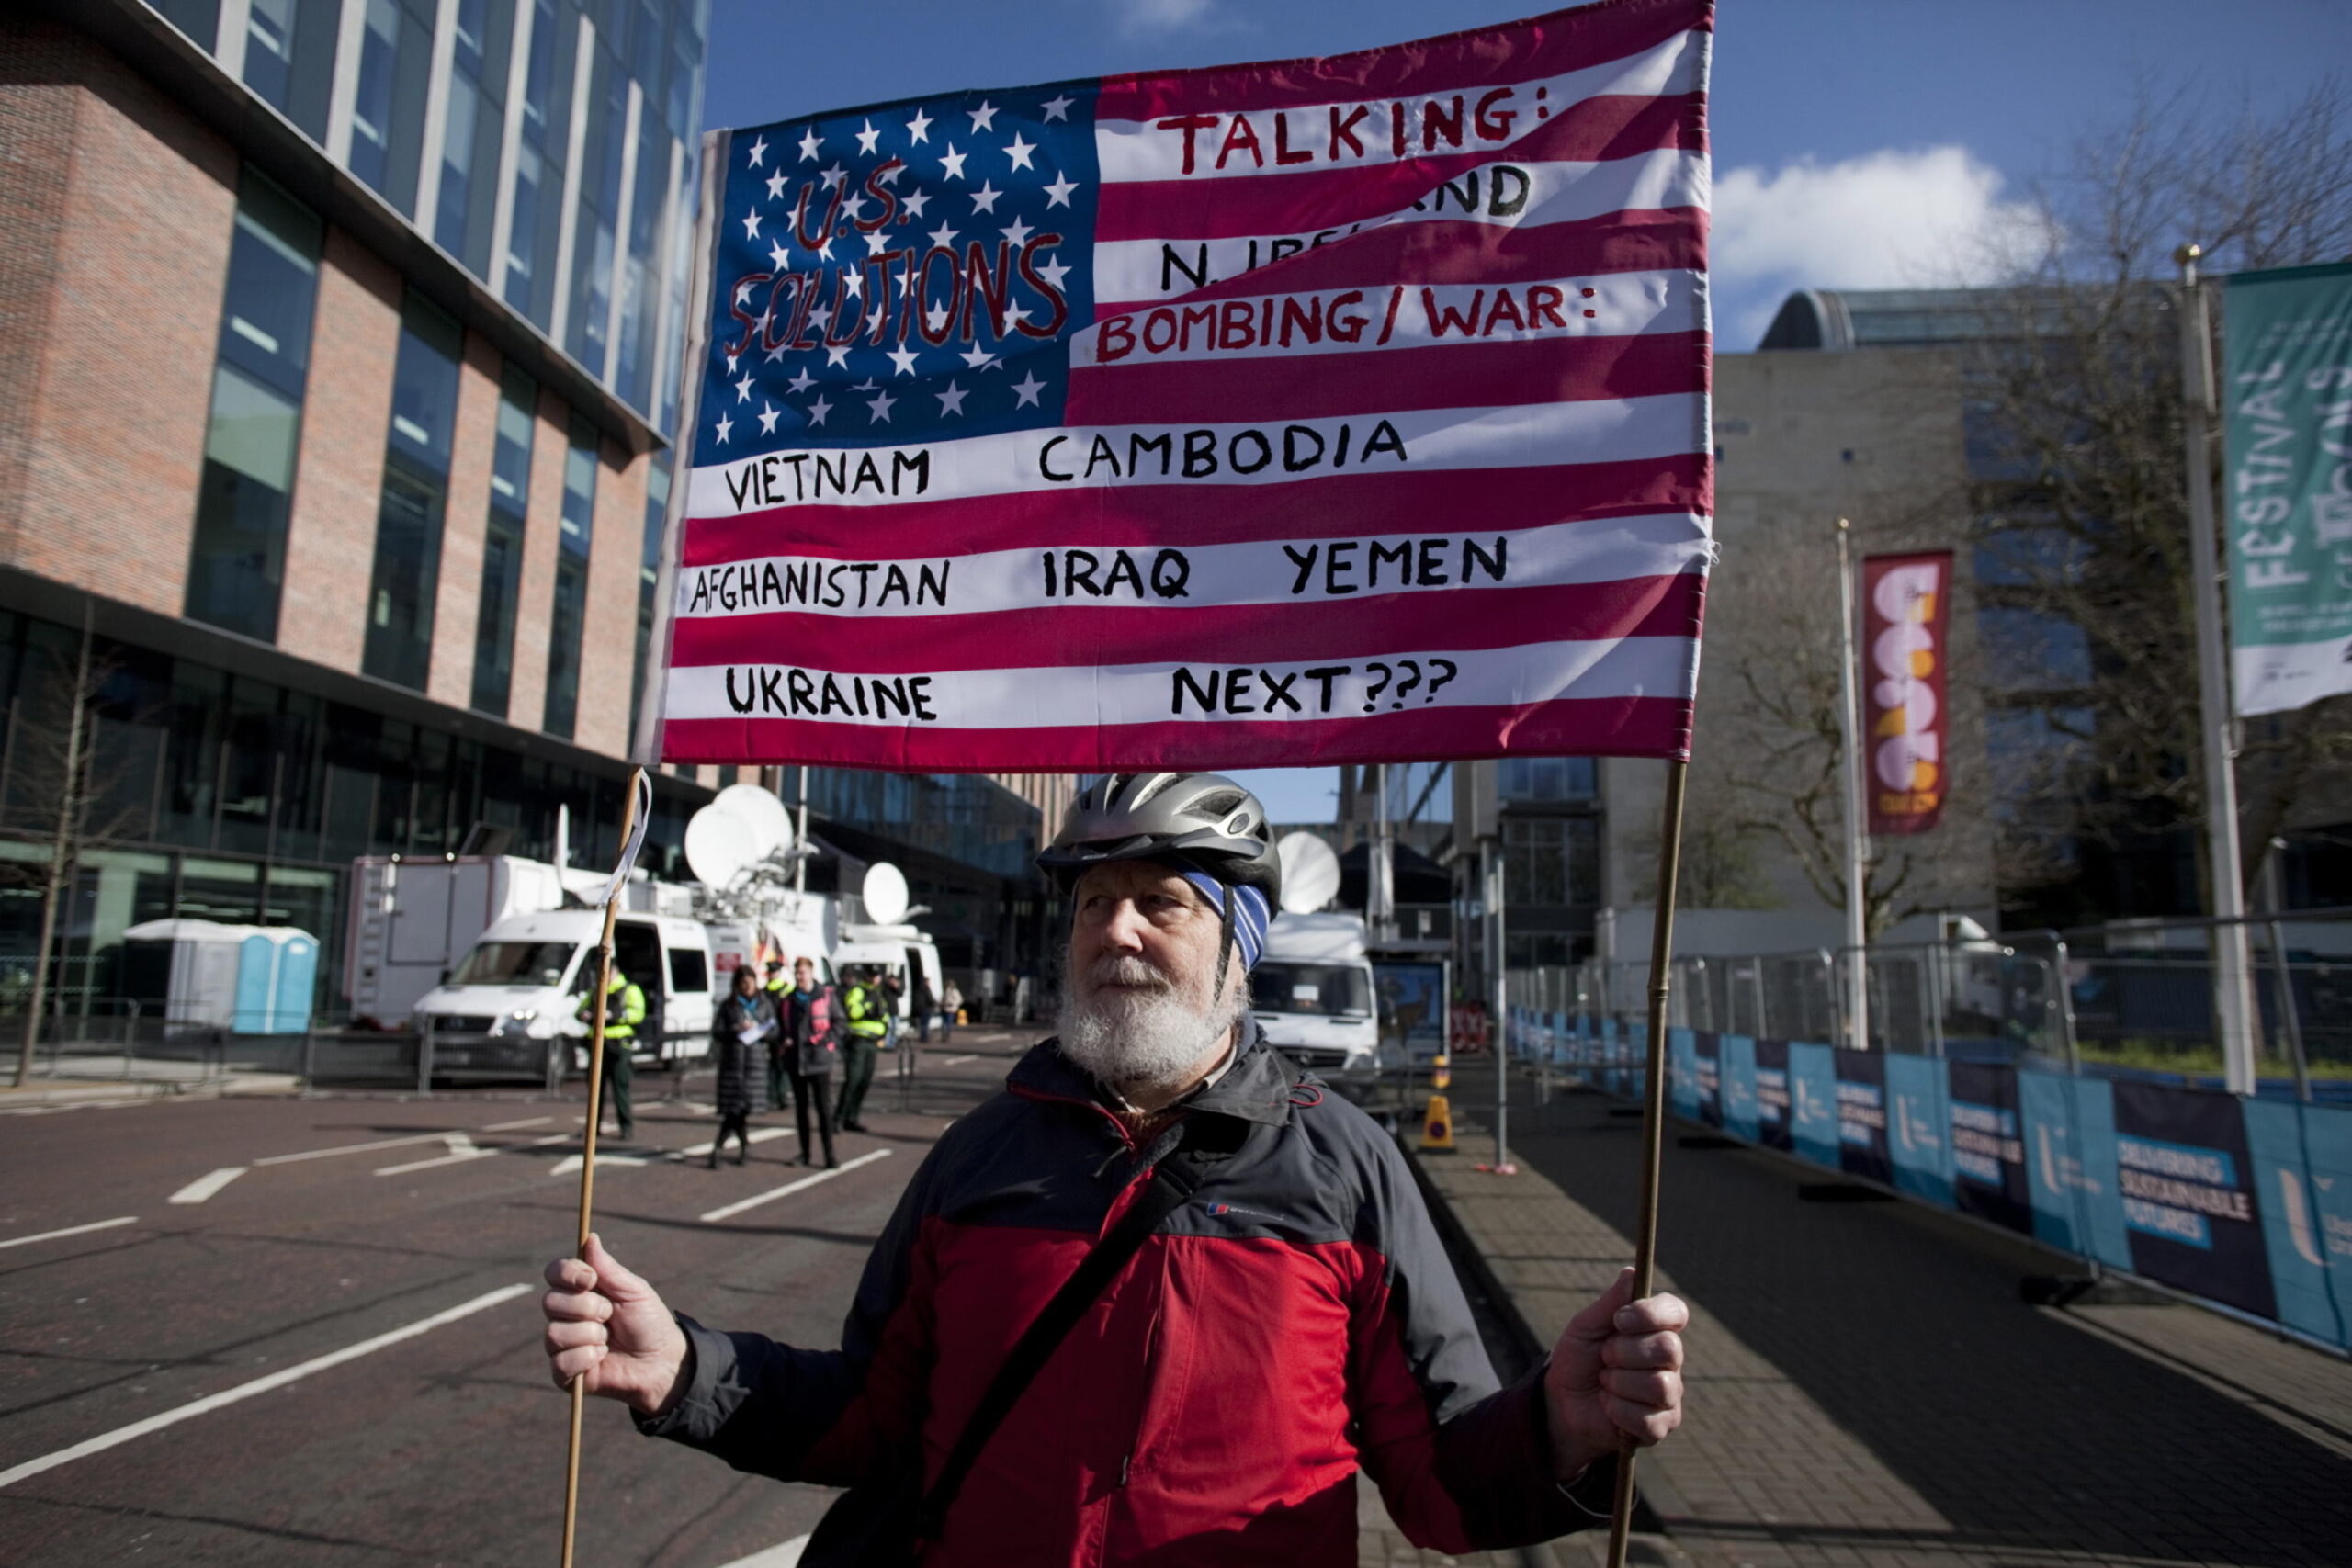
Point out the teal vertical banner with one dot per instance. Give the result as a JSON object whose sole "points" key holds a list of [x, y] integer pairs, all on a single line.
{"points": [[1918, 1122], [1741, 1108], [2070, 1158], [2302, 1183], [1682, 1072], [2287, 483], [1813, 1102]]}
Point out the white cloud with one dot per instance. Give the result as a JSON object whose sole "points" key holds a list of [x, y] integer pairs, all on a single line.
{"points": [[1933, 218], [1164, 15]]}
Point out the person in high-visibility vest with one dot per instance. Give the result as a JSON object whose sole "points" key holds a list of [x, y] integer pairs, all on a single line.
{"points": [[865, 1005], [624, 1010], [778, 988]]}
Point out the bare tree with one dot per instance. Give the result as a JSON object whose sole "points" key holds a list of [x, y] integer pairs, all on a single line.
{"points": [[2084, 516], [54, 791]]}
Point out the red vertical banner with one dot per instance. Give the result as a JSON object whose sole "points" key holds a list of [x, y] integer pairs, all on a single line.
{"points": [[1905, 611]]}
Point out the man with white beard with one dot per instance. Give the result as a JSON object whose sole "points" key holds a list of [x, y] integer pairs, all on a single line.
{"points": [[1158, 1302]]}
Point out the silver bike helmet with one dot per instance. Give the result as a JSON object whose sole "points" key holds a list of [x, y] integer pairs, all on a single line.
{"points": [[1202, 821]]}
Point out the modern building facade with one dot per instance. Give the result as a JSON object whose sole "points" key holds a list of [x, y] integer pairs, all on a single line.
{"points": [[343, 340]]}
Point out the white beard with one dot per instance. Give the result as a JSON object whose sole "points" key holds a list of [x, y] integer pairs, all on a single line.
{"points": [[1132, 1039]]}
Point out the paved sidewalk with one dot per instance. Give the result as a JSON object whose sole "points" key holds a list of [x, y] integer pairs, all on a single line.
{"points": [[1866, 1387]]}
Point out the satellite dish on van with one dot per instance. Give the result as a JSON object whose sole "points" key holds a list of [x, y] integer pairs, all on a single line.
{"points": [[770, 822], [885, 893], [719, 844], [1310, 872]]}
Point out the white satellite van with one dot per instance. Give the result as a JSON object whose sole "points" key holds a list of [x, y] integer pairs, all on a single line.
{"points": [[1313, 994], [513, 1002], [899, 950]]}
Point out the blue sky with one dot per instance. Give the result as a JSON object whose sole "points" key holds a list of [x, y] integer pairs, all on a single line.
{"points": [[1858, 143]]}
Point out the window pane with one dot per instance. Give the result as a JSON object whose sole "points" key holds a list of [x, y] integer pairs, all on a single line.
{"points": [[407, 563], [254, 431], [572, 579], [424, 386], [502, 578], [510, 463], [457, 166]]}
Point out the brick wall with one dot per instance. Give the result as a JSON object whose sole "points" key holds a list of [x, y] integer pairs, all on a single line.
{"points": [[608, 647], [339, 475], [536, 605], [116, 211], [464, 526]]}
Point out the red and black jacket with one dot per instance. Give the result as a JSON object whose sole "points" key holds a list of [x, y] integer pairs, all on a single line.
{"points": [[1296, 1320]]}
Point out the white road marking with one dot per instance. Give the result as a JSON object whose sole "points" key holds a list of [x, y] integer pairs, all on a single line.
{"points": [[789, 1188], [462, 1150], [353, 1148], [70, 1230], [525, 1121], [959, 1061], [204, 1187], [244, 1390], [759, 1135], [785, 1555], [570, 1164]]}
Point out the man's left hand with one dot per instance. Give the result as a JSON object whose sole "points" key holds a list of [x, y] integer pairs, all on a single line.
{"points": [[1616, 1376]]}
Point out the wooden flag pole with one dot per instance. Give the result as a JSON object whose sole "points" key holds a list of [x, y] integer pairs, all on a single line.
{"points": [[588, 1144], [1669, 866]]}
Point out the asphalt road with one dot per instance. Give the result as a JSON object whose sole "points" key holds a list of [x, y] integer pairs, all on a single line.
{"points": [[399, 1243]]}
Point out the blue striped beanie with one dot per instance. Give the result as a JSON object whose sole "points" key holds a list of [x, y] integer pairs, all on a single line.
{"points": [[1251, 914]]}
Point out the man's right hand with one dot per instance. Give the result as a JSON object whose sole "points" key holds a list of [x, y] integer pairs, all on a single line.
{"points": [[608, 1326]]}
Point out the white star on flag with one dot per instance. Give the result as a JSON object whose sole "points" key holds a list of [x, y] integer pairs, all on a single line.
{"points": [[983, 118], [808, 145], [818, 410], [730, 365], [758, 149], [985, 199], [833, 175], [767, 418], [1018, 150], [867, 138], [744, 390], [742, 294], [775, 185], [889, 173], [821, 317], [837, 356], [919, 127], [826, 250], [751, 225], [954, 163], [1019, 234], [854, 281], [881, 404], [779, 255], [778, 352], [1026, 390], [916, 203], [952, 400], [853, 208], [1058, 192], [1053, 272], [801, 381], [936, 316], [1058, 109], [943, 237], [978, 358], [725, 426], [904, 358], [875, 243]]}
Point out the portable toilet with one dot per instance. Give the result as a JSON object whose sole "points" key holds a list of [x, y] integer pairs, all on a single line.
{"points": [[206, 975]]}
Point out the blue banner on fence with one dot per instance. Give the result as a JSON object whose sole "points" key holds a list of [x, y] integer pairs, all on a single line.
{"points": [[2245, 1203]]}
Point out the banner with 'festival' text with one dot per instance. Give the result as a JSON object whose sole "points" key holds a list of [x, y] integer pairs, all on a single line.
{"points": [[1314, 411]]}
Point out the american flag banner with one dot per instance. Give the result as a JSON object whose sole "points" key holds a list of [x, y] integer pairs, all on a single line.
{"points": [[1315, 411]]}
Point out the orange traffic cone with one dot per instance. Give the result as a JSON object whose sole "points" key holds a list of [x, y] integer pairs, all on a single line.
{"points": [[1437, 1127]]}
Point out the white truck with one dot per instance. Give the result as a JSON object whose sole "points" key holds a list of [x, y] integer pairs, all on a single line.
{"points": [[899, 950], [513, 1003], [1312, 995], [412, 919]]}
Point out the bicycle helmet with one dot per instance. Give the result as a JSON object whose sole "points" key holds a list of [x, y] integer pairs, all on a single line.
{"points": [[1204, 825]]}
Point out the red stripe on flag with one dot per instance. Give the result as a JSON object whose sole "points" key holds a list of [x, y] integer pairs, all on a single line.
{"points": [[1475, 57], [1311, 199], [1457, 375], [1609, 726], [1343, 506], [1451, 250], [1337, 629]]}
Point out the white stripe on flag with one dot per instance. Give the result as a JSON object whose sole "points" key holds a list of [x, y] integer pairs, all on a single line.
{"points": [[1139, 149], [1530, 434], [1157, 694], [1132, 270], [1268, 571]]}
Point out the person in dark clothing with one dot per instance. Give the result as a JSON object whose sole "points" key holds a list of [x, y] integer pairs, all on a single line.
{"points": [[808, 1040], [1292, 1321], [778, 983], [739, 1033]]}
